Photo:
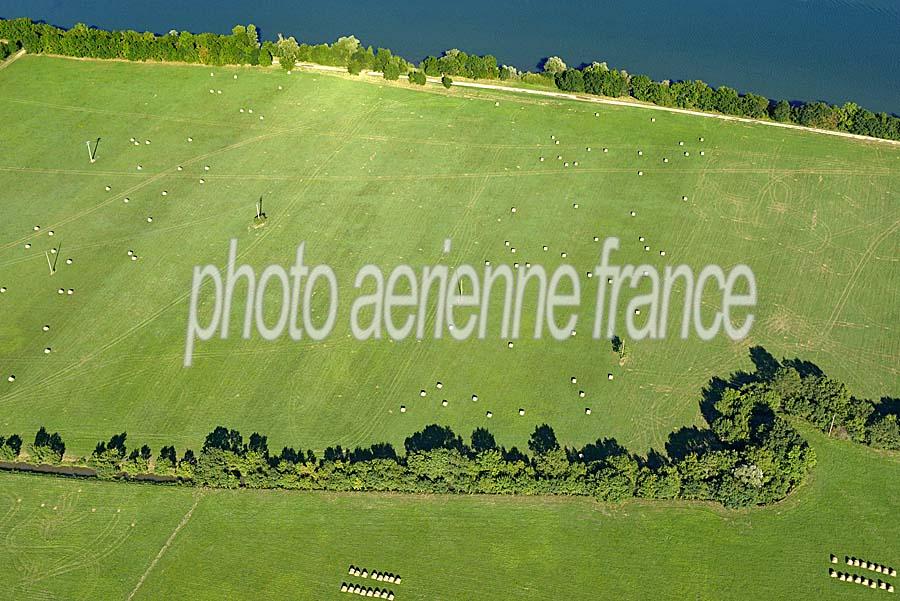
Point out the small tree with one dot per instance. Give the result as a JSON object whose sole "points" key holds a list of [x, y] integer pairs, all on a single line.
{"points": [[392, 70], [446, 81], [554, 65], [417, 77]]}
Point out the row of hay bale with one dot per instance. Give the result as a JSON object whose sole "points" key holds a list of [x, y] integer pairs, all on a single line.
{"points": [[857, 579], [364, 591], [867, 565], [379, 576]]}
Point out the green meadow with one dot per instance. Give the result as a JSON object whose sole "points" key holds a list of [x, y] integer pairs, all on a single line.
{"points": [[69, 539], [366, 172]]}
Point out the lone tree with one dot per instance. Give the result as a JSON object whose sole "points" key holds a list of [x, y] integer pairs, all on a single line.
{"points": [[446, 81], [554, 65]]}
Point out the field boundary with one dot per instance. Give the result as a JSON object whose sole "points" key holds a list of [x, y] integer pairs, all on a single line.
{"points": [[508, 89]]}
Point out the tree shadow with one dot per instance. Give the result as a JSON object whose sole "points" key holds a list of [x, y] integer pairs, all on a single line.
{"points": [[888, 406], [433, 437], [601, 450], [689, 440]]}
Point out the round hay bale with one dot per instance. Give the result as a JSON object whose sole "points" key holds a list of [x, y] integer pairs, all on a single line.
{"points": [[422, 393], [637, 311], [474, 397], [700, 138], [542, 159], [11, 378], [134, 258], [52, 251], [489, 415], [545, 247], [588, 148], [606, 150], [574, 332], [587, 410], [139, 168], [575, 206], [149, 219], [2, 289], [516, 265], [108, 188], [165, 192], [343, 587], [521, 411], [633, 214], [37, 228], [202, 181], [512, 250], [402, 410], [640, 238], [70, 291], [147, 142], [564, 254], [27, 245], [662, 253], [126, 200], [50, 233], [206, 167], [680, 143], [509, 344], [573, 380], [665, 160], [609, 376], [684, 198], [68, 261], [190, 139], [439, 385], [513, 210], [61, 291], [581, 394], [640, 173], [646, 248], [47, 350], [596, 238], [652, 119], [575, 164], [702, 153], [444, 403], [640, 153], [365, 573]]}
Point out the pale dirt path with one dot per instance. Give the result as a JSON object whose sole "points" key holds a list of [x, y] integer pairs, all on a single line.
{"points": [[626, 103], [12, 59]]}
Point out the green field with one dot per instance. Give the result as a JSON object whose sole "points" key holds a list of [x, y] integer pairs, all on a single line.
{"points": [[276, 545], [369, 173]]}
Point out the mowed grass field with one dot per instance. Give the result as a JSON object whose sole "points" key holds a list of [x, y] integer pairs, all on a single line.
{"points": [[74, 540], [371, 173]]}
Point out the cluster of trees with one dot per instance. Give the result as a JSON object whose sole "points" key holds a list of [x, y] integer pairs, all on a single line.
{"points": [[457, 63], [241, 47], [601, 80], [749, 455]]}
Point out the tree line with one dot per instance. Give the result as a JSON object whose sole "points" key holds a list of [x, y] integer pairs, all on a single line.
{"points": [[749, 454], [243, 47]]}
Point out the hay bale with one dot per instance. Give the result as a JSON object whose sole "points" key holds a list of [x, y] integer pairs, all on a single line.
{"points": [[2, 289], [684, 198], [581, 394], [640, 173], [350, 570], [365, 573], [70, 291], [606, 150], [521, 411], [27, 245], [832, 573], [11, 378], [563, 255], [512, 210], [893, 573], [422, 393], [397, 579], [489, 414], [444, 403], [50, 233], [474, 397], [609, 376], [61, 291], [640, 153], [343, 587], [402, 408], [126, 200], [509, 344], [575, 205], [587, 410], [439, 385], [834, 559]]}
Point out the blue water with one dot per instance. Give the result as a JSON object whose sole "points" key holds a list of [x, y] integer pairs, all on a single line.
{"points": [[833, 50]]}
